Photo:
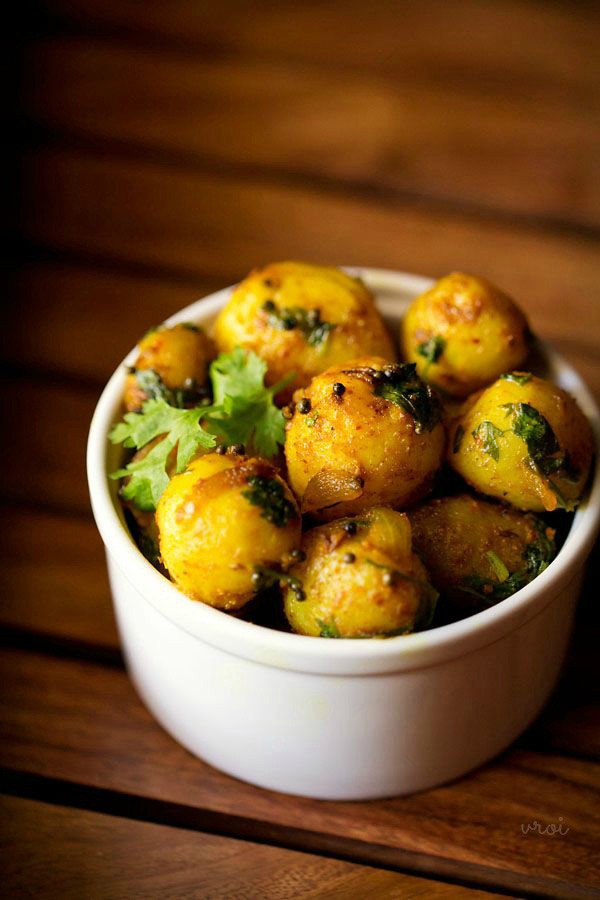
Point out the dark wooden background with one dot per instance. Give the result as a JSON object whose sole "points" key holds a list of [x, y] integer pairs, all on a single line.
{"points": [[159, 151]]}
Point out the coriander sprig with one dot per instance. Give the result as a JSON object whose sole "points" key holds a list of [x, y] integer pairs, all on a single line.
{"points": [[243, 412]]}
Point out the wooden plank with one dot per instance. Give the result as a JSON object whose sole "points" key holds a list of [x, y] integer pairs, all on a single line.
{"points": [[81, 320], [207, 226], [53, 851], [529, 152], [47, 443], [53, 580], [91, 729], [551, 43], [54, 592]]}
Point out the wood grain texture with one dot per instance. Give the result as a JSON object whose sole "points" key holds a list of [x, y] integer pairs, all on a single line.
{"points": [[92, 729], [53, 580], [55, 852], [553, 44], [94, 318], [529, 153], [219, 227]]}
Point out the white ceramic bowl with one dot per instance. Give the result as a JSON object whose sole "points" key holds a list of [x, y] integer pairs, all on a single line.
{"points": [[344, 720]]}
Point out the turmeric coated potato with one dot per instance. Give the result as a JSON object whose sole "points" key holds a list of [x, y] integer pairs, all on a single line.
{"points": [[362, 434], [220, 522], [360, 578], [172, 363], [525, 441], [478, 553], [463, 333], [301, 319]]}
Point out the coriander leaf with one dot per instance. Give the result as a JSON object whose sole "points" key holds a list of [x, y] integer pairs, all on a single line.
{"points": [[537, 555], [153, 386], [308, 321], [486, 436], [431, 350], [542, 444], [269, 495], [328, 629], [148, 477], [402, 386], [244, 411], [517, 377]]}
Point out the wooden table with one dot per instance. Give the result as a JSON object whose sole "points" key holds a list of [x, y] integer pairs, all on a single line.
{"points": [[165, 149]]}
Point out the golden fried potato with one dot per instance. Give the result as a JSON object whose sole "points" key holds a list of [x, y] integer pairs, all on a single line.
{"points": [[220, 521], [525, 441], [301, 319], [172, 363], [362, 434], [477, 552], [360, 578], [463, 333]]}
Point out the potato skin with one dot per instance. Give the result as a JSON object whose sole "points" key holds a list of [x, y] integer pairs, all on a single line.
{"points": [[179, 355], [456, 538], [342, 301], [212, 537], [483, 333], [361, 438], [360, 598], [514, 476]]}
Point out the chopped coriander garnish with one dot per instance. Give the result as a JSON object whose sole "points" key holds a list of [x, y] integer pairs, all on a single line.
{"points": [[537, 555], [311, 420], [265, 577], [403, 387], [308, 321], [542, 444], [328, 629], [268, 493], [486, 436], [431, 350], [517, 377], [154, 387]]}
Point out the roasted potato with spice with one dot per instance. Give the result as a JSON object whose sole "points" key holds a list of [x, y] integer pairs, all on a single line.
{"points": [[525, 441], [301, 319], [477, 552], [463, 333], [220, 522], [172, 364], [363, 433], [359, 579]]}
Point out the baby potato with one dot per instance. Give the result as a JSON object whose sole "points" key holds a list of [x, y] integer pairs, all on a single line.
{"points": [[172, 363], [220, 521], [463, 333], [360, 578], [363, 433], [477, 552], [525, 441], [302, 318]]}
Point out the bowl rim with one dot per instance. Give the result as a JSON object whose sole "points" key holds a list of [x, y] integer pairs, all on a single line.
{"points": [[299, 652]]}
